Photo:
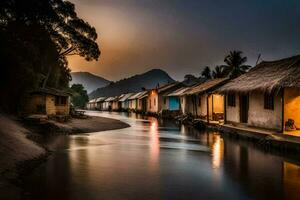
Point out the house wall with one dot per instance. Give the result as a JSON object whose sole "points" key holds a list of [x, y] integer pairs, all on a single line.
{"points": [[182, 104], [233, 113], [115, 105], [52, 109], [152, 102], [260, 117], [36, 104], [173, 103], [257, 115], [202, 109], [292, 105]]}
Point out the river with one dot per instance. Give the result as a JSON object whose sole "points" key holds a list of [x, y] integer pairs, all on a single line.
{"points": [[156, 159]]}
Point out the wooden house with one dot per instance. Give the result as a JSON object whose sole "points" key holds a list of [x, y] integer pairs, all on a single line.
{"points": [[142, 102], [124, 101], [99, 103], [174, 100], [116, 104], [267, 97], [133, 101], [202, 102], [157, 100], [48, 101], [107, 105]]}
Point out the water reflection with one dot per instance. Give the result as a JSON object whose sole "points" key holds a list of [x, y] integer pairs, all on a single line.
{"points": [[154, 142], [157, 159]]}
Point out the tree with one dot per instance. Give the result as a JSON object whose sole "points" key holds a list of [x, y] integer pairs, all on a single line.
{"points": [[206, 73], [36, 36], [79, 96], [235, 64], [218, 72]]}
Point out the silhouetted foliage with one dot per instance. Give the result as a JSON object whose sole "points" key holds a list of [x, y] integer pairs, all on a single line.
{"points": [[235, 64], [35, 37], [206, 73], [79, 96], [218, 72]]}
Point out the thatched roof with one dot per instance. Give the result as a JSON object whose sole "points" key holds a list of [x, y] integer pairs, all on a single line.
{"points": [[178, 92], [100, 99], [167, 87], [267, 77], [51, 91], [207, 86], [125, 97]]}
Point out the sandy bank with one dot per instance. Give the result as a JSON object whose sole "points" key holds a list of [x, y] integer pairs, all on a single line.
{"points": [[15, 148], [75, 126]]}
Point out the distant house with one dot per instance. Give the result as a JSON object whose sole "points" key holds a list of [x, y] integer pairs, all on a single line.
{"points": [[133, 101], [202, 102], [48, 101], [116, 104], [268, 96], [91, 105], [99, 103], [174, 100], [157, 101], [142, 102], [107, 105], [124, 101]]}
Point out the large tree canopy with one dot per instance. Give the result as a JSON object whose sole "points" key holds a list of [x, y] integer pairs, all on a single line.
{"points": [[36, 36]]}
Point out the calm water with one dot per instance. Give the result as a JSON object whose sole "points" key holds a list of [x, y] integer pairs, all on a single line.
{"points": [[161, 160]]}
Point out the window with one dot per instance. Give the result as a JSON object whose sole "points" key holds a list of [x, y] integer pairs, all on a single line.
{"points": [[60, 101], [154, 102], [150, 103], [199, 101], [181, 99], [231, 100], [269, 101], [165, 100]]}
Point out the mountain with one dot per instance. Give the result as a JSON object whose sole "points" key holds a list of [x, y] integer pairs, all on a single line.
{"points": [[135, 83], [90, 81]]}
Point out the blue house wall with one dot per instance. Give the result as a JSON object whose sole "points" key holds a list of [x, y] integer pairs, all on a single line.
{"points": [[173, 103]]}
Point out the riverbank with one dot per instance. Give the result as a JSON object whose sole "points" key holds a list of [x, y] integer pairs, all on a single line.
{"points": [[20, 153], [77, 126]]}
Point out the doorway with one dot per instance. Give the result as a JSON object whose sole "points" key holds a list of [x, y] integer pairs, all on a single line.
{"points": [[244, 107]]}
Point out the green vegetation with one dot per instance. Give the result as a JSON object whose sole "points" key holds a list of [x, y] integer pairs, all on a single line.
{"points": [[79, 96], [235, 66], [36, 36]]}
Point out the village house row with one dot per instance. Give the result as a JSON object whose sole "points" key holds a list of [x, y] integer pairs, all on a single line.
{"points": [[266, 98]]}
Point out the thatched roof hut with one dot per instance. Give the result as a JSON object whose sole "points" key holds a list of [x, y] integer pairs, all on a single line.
{"points": [[267, 76], [207, 86]]}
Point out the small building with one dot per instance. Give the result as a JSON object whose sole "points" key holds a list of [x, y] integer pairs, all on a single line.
{"points": [[266, 97], [202, 102], [133, 101], [142, 102], [99, 103], [107, 105], [174, 100], [124, 101], [116, 104], [91, 105], [157, 100], [48, 101]]}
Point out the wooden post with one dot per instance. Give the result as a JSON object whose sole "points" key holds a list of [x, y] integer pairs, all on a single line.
{"points": [[207, 105], [225, 115], [212, 107], [282, 111]]}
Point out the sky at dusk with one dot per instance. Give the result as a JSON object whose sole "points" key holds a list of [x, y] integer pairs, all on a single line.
{"points": [[183, 36]]}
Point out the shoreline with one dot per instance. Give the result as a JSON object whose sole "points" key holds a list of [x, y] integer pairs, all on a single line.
{"points": [[12, 177]]}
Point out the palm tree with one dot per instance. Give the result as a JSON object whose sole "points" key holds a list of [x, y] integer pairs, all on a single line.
{"points": [[206, 73], [218, 72], [235, 64]]}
